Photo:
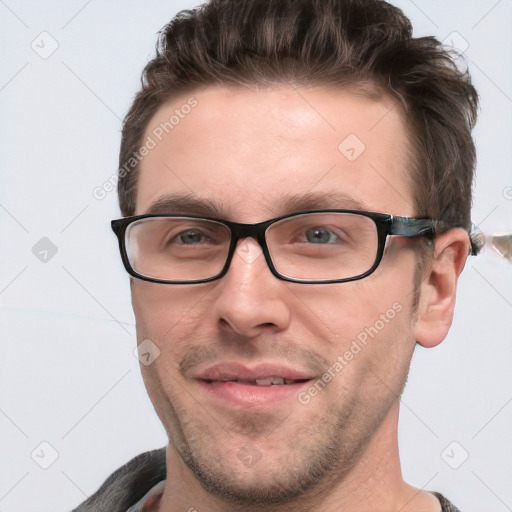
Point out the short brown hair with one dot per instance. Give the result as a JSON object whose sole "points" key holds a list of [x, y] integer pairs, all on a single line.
{"points": [[323, 42]]}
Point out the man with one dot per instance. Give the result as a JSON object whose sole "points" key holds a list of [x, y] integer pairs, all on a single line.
{"points": [[295, 181]]}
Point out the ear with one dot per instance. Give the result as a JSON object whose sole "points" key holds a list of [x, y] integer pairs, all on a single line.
{"points": [[438, 287]]}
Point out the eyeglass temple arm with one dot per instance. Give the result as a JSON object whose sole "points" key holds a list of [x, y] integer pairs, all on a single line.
{"points": [[407, 226]]}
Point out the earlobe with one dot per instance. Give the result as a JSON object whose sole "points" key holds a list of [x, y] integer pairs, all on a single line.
{"points": [[438, 287]]}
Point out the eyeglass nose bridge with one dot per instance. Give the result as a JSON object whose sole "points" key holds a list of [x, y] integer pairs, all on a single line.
{"points": [[254, 231]]}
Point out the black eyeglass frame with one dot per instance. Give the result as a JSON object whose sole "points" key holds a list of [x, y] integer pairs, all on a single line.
{"points": [[386, 224]]}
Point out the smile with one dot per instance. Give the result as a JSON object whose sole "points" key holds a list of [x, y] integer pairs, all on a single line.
{"points": [[265, 381], [234, 385]]}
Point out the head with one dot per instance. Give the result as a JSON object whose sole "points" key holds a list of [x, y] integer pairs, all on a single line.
{"points": [[355, 44], [264, 95]]}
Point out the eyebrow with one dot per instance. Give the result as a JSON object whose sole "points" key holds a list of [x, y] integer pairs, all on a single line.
{"points": [[287, 204], [320, 201], [185, 204]]}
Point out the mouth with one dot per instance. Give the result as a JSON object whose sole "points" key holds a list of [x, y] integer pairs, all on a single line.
{"points": [[237, 386], [263, 381]]}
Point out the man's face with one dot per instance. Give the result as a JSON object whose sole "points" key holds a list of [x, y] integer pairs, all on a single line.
{"points": [[253, 155]]}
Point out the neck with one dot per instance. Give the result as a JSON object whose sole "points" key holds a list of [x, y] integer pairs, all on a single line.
{"points": [[374, 483]]}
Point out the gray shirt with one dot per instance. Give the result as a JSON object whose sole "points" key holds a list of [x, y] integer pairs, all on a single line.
{"points": [[130, 486]]}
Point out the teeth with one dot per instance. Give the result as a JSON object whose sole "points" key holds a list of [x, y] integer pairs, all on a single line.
{"points": [[267, 381], [270, 381]]}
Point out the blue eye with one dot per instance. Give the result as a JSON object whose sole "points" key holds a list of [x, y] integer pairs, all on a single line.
{"points": [[191, 237], [321, 236]]}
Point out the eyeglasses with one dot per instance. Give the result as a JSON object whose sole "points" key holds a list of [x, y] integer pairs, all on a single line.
{"points": [[321, 246]]}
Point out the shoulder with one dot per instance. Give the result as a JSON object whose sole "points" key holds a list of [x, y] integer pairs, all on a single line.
{"points": [[128, 484], [446, 506]]}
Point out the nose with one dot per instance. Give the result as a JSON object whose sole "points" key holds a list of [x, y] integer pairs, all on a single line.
{"points": [[251, 299]]}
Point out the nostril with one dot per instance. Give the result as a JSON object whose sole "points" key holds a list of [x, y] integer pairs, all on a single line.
{"points": [[223, 322]]}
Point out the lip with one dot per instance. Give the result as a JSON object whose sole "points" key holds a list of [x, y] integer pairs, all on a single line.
{"points": [[238, 371], [233, 384]]}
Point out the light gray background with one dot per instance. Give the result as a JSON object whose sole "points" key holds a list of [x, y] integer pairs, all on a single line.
{"points": [[68, 375]]}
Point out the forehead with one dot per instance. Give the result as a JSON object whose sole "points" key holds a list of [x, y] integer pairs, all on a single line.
{"points": [[248, 152]]}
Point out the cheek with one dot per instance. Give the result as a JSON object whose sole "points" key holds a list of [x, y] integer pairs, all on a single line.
{"points": [[161, 309], [343, 311], [173, 318]]}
